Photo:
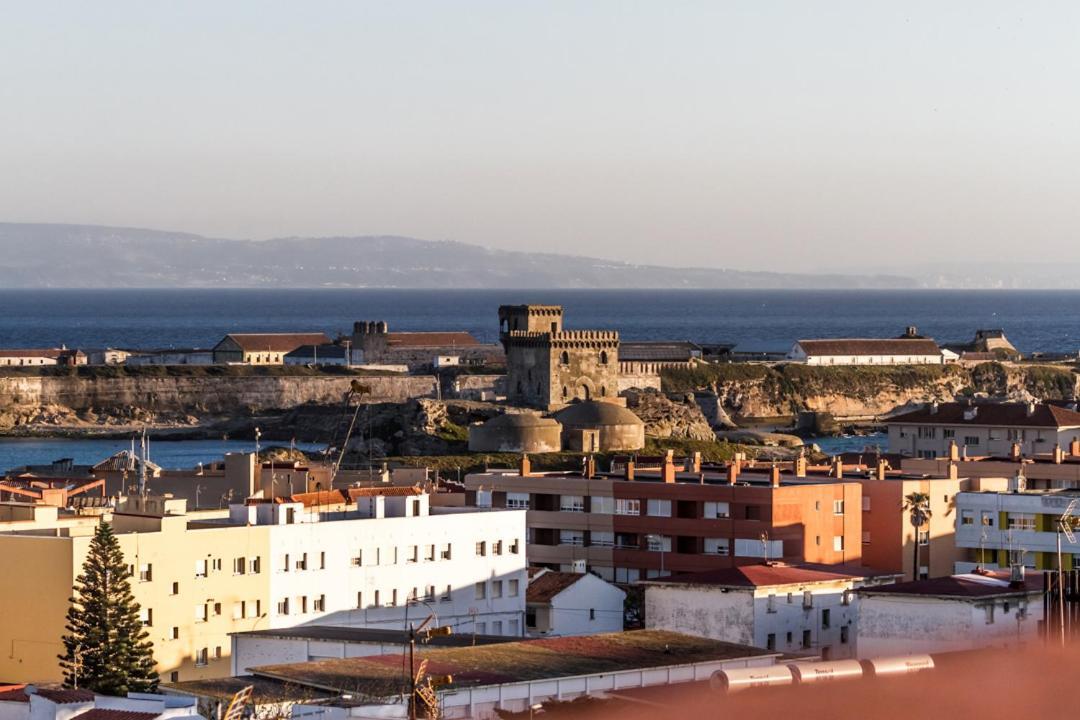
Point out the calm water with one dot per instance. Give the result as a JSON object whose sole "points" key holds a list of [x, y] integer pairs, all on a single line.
{"points": [[1033, 320], [170, 454]]}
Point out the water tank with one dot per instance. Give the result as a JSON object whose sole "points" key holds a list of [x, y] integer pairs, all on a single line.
{"points": [[816, 672], [902, 665], [738, 679]]}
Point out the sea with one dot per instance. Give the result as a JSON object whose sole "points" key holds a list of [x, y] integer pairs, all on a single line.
{"points": [[1035, 321]]}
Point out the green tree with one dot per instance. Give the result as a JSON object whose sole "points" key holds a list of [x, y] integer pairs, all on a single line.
{"points": [[106, 648], [918, 506]]}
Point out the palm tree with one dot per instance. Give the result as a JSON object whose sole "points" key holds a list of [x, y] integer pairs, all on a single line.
{"points": [[918, 505]]}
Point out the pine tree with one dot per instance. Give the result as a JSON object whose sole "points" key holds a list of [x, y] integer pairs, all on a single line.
{"points": [[106, 648]]}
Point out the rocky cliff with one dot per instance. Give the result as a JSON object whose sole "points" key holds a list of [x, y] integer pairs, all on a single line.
{"points": [[746, 392]]}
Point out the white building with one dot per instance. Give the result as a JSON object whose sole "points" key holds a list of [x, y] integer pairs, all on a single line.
{"points": [[866, 351], [170, 357], [560, 603], [810, 609], [961, 612], [32, 703], [983, 429], [999, 529]]}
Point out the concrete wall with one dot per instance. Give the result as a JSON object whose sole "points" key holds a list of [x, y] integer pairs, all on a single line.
{"points": [[587, 607], [536, 439]]}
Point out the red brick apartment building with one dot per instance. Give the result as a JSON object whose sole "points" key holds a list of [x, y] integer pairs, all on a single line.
{"points": [[640, 524]]}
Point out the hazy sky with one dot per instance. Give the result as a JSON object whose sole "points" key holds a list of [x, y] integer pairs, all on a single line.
{"points": [[791, 135]]}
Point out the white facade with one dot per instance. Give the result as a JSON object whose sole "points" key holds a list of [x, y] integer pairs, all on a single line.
{"points": [[929, 441], [588, 606], [41, 707], [814, 618], [903, 624], [798, 354]]}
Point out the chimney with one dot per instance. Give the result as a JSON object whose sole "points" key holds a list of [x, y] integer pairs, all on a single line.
{"points": [[590, 467], [800, 465], [1074, 447], [1014, 451], [1031, 406], [1059, 454], [629, 472], [697, 462], [733, 473], [954, 471], [774, 475], [882, 466], [954, 451], [526, 466], [667, 470], [838, 467]]}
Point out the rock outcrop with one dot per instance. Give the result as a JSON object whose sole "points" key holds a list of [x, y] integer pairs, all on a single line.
{"points": [[669, 419]]}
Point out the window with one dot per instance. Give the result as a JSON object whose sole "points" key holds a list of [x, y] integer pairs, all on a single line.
{"points": [[927, 454], [322, 561], [175, 633], [807, 600], [414, 554], [717, 546], [481, 549], [971, 439], [807, 639], [1020, 521], [752, 512], [216, 564], [497, 547], [174, 676], [146, 572], [844, 634], [838, 543], [601, 538], [302, 602], [358, 559], [988, 518], [717, 510], [481, 628], [217, 609], [255, 566], [446, 552], [770, 604], [838, 507], [175, 588], [788, 638], [320, 603], [238, 610], [967, 517], [924, 537], [429, 594], [948, 433], [625, 506], [512, 588], [429, 553], [658, 543], [285, 563], [515, 547], [602, 505], [517, 501], [378, 601], [496, 589], [446, 594], [217, 652], [283, 606], [301, 564], [201, 657], [200, 568], [359, 599], [770, 641], [659, 508], [572, 503], [865, 504], [826, 617], [146, 616], [927, 433], [201, 613], [571, 537], [239, 566], [481, 590], [865, 537]]}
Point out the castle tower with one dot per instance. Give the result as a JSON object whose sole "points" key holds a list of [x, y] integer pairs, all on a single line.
{"points": [[548, 367]]}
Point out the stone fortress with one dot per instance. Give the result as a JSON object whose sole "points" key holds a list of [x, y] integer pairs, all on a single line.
{"points": [[571, 373]]}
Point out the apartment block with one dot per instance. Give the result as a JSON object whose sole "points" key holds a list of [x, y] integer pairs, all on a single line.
{"points": [[1001, 529], [198, 577]]}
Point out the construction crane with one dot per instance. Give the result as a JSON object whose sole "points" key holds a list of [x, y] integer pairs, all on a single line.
{"points": [[357, 390]]}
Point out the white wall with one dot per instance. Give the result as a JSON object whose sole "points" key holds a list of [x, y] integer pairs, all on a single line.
{"points": [[894, 625], [589, 606]]}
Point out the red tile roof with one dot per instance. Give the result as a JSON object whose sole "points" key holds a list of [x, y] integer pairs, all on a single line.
{"points": [[1001, 414], [17, 695], [972, 585], [544, 587], [63, 697], [275, 342], [870, 346], [392, 491], [35, 352], [323, 497], [430, 339], [760, 574], [108, 714]]}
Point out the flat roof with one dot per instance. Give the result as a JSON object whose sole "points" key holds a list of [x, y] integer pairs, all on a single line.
{"points": [[514, 662], [966, 586], [331, 633]]}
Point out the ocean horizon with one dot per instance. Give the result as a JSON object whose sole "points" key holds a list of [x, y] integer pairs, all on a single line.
{"points": [[1035, 321]]}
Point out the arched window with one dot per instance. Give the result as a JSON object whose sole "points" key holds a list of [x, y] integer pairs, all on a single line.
{"points": [[564, 392], [564, 358], [603, 357], [603, 391], [584, 393]]}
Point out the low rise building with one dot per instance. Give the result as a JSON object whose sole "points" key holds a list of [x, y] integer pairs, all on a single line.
{"points": [[811, 609], [867, 351], [983, 429], [357, 562], [329, 354], [959, 612], [27, 702], [640, 525], [262, 348], [420, 350], [559, 603], [37, 357], [170, 356]]}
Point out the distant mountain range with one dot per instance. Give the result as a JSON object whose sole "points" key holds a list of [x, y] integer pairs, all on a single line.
{"points": [[92, 256]]}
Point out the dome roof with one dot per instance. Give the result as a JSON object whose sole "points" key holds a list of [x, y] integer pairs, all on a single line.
{"points": [[519, 420], [592, 413]]}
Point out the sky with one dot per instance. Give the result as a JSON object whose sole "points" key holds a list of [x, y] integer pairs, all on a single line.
{"points": [[753, 135]]}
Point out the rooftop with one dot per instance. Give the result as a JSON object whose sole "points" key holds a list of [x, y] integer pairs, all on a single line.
{"points": [[971, 585], [109, 714], [549, 584], [264, 691], [658, 351], [276, 342], [595, 412], [1003, 414], [870, 346], [762, 575], [371, 635], [430, 339], [513, 662]]}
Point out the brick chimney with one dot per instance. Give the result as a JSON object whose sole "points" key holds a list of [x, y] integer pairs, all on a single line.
{"points": [[800, 465], [667, 470], [838, 467], [1014, 451], [774, 475], [954, 471], [882, 465], [733, 473], [590, 467], [1074, 447], [629, 472], [1059, 454], [696, 467], [526, 466], [954, 451]]}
